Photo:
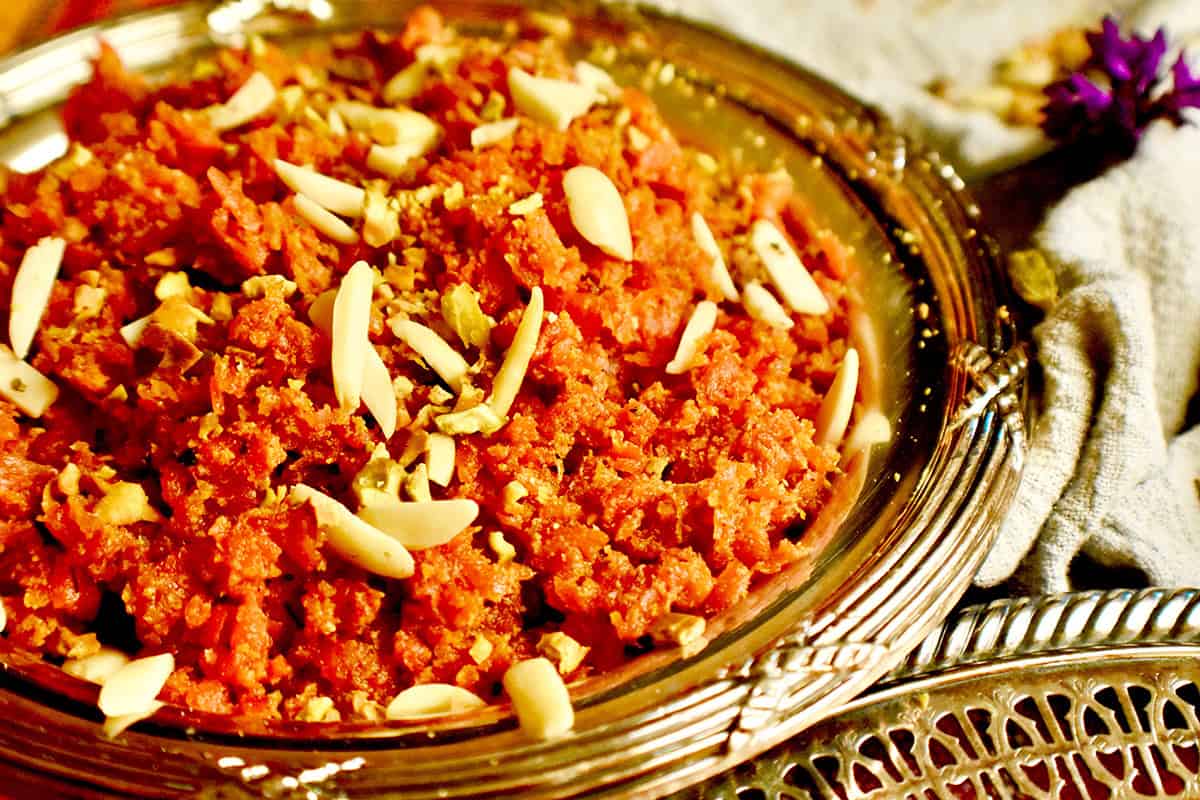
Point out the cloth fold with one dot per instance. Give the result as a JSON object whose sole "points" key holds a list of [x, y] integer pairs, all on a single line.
{"points": [[1113, 466]]}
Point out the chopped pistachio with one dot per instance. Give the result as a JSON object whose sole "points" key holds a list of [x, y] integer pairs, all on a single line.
{"points": [[460, 309], [477, 419], [125, 503]]}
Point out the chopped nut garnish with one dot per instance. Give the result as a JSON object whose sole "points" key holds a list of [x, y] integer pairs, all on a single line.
{"points": [[839, 401], [598, 212], [350, 332], [553, 102], [540, 699], [1032, 277], [699, 326], [132, 332], [254, 97], [418, 525], [407, 83], [597, 79], [173, 284], [476, 419], [504, 551], [379, 475], [433, 349], [872, 428], [514, 493], [526, 205], [674, 628], [708, 244], [796, 286], [167, 257], [562, 650], [125, 503], [394, 160], [132, 689], [492, 132], [460, 309], [638, 141], [365, 708], [355, 540], [31, 291], [378, 394], [393, 126], [324, 221], [337, 196], [258, 286], [762, 305], [25, 387], [481, 649], [337, 125], [516, 361], [433, 700], [439, 458], [417, 485], [319, 709], [97, 667]]}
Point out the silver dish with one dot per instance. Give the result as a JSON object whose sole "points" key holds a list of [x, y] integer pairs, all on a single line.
{"points": [[904, 533]]}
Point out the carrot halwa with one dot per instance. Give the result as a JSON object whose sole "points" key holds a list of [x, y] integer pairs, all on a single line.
{"points": [[622, 396]]}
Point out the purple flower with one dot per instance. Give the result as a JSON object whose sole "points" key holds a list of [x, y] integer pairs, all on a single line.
{"points": [[1075, 107], [1185, 90], [1133, 61]]}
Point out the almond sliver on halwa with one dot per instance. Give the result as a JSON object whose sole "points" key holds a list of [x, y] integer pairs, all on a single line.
{"points": [[419, 525], [708, 244], [358, 542], [761, 305], [835, 411], [540, 698], [700, 325], [256, 96], [432, 700], [337, 196], [796, 286], [98, 667], [492, 132], [378, 394], [511, 374], [872, 428], [132, 332], [325, 221], [597, 79], [433, 349], [407, 83], [115, 726], [25, 387], [598, 212], [350, 333], [439, 458], [553, 102], [31, 291], [391, 126], [133, 688]]}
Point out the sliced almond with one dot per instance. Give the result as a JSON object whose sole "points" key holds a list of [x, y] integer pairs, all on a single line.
{"points": [[132, 332], [417, 485], [25, 387], [173, 284], [552, 102], [540, 699], [115, 726], [3, 617], [511, 374], [526, 205], [336, 123], [419, 525], [433, 700], [598, 212], [674, 628], [492, 132], [439, 458], [835, 411], [563, 650], [132, 689], [762, 306], [337, 196], [433, 349], [350, 333], [597, 79], [98, 667], [378, 394], [353, 539], [796, 286], [256, 96], [326, 222], [407, 83], [708, 244], [392, 126], [381, 219], [476, 419], [259, 285], [872, 428], [699, 326], [31, 291]]}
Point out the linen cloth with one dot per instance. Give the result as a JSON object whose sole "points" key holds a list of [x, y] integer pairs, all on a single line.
{"points": [[1112, 472]]}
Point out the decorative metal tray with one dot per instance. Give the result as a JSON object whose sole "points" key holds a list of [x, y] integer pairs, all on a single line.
{"points": [[908, 530], [1087, 695]]}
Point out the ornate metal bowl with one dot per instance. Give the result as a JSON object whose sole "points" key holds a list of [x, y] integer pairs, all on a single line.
{"points": [[1090, 695], [904, 534]]}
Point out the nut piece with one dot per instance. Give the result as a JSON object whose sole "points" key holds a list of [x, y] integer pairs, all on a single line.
{"points": [[787, 272], [872, 428], [407, 83], [503, 549], [256, 96], [350, 332], [115, 726], [707, 243], [31, 291], [563, 650], [418, 525], [378, 394], [839, 401], [526, 205], [353, 539], [597, 79], [132, 689], [675, 629], [401, 134], [132, 332], [762, 306], [690, 348], [516, 361], [417, 485], [540, 699], [552, 102], [319, 709], [433, 700], [493, 132], [98, 667], [598, 212], [337, 196], [433, 349], [439, 458], [326, 222], [25, 387], [460, 309]]}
